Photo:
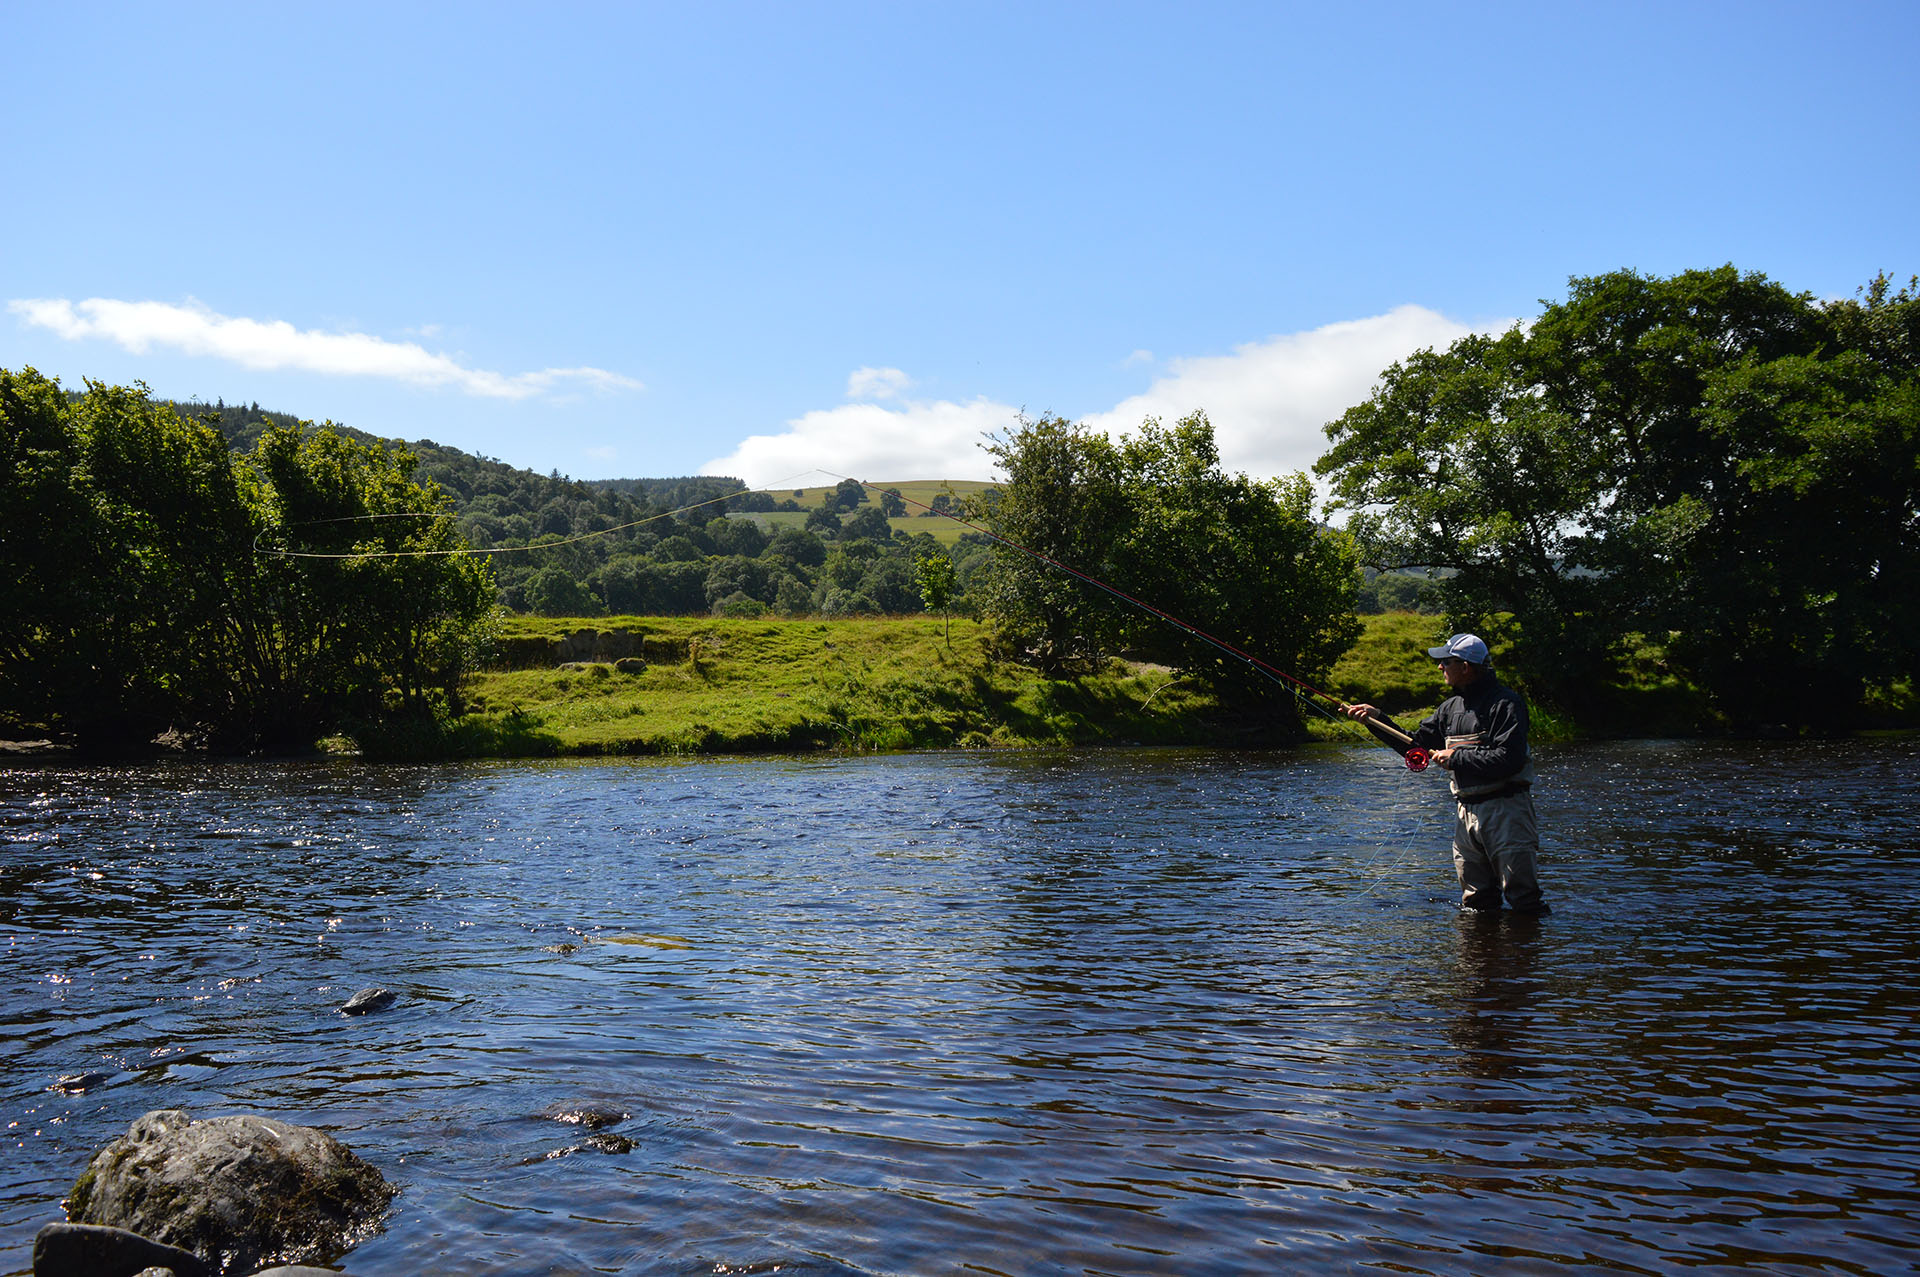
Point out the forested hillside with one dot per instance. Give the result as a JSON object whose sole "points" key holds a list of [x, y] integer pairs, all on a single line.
{"points": [[680, 546]]}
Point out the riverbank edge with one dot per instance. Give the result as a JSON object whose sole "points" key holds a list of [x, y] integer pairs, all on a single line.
{"points": [[736, 686]]}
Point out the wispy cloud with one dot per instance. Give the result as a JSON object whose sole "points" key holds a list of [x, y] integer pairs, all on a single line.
{"points": [[877, 383], [275, 345], [1269, 400]]}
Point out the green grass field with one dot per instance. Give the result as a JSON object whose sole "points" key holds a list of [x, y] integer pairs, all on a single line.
{"points": [[804, 684], [918, 493], [727, 685]]}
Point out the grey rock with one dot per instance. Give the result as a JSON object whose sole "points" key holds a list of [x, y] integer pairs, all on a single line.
{"points": [[630, 665], [367, 1001], [598, 1142], [79, 1083], [591, 1116], [610, 1142], [238, 1191], [89, 1250]]}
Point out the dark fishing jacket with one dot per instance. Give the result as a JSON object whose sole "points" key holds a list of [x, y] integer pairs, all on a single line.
{"points": [[1486, 726]]}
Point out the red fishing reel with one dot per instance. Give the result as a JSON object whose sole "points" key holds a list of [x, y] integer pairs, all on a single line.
{"points": [[1417, 759]]}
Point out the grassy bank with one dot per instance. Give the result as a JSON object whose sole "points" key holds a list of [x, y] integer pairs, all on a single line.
{"points": [[758, 685], [748, 685], [726, 685]]}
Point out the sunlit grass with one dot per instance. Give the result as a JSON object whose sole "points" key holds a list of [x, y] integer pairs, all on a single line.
{"points": [[777, 684]]}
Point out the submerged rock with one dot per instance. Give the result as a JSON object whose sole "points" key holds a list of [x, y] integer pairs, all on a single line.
{"points": [[79, 1083], [592, 1116], [598, 1142], [367, 1001], [239, 1191], [92, 1250]]}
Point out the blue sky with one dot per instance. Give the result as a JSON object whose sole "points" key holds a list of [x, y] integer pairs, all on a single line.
{"points": [[761, 239]]}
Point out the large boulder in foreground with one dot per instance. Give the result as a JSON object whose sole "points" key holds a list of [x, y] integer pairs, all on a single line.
{"points": [[240, 1192]]}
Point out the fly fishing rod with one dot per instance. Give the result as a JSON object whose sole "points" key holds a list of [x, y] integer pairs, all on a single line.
{"points": [[1415, 756]]}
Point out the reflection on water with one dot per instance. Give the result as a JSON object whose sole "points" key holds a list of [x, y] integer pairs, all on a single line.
{"points": [[1129, 1012]]}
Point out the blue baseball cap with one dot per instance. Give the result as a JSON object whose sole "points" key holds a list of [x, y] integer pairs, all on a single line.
{"points": [[1468, 647]]}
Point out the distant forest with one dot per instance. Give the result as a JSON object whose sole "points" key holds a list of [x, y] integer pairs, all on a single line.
{"points": [[657, 547]]}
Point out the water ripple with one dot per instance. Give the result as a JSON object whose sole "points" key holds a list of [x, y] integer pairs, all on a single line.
{"points": [[1138, 1012]]}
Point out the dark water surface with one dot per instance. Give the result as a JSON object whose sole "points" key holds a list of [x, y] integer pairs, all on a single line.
{"points": [[1123, 1012]]}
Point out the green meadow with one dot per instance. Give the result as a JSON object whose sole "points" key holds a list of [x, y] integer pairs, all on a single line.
{"points": [[738, 685], [729, 685], [917, 493]]}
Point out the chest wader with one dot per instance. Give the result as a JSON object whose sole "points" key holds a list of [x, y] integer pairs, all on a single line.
{"points": [[1496, 841]]}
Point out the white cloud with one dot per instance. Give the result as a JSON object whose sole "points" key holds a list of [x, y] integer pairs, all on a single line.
{"points": [[873, 443], [1269, 399], [276, 345], [877, 383]]}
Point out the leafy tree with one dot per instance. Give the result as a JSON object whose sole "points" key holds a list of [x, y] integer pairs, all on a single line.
{"points": [[1241, 559], [1061, 504], [848, 494], [798, 547], [154, 590], [934, 575], [1154, 517], [678, 549], [738, 536], [622, 585], [1457, 464], [738, 574], [892, 503], [126, 520], [398, 613], [555, 592], [870, 523], [48, 544], [824, 522], [791, 596], [1394, 592], [1707, 458]]}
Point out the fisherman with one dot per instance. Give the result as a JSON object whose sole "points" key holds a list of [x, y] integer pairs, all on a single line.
{"points": [[1479, 734]]}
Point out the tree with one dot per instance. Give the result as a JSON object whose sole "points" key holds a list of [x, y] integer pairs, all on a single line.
{"points": [[1457, 465], [798, 547], [892, 504], [869, 523], [1155, 517], [47, 546], [1061, 504], [848, 494], [553, 591], [154, 586], [393, 610], [1241, 559], [934, 576], [119, 548], [1707, 459]]}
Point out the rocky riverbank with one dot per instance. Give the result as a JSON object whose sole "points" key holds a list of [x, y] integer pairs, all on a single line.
{"points": [[217, 1197]]}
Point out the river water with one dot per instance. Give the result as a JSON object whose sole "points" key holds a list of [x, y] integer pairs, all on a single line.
{"points": [[1102, 1012]]}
